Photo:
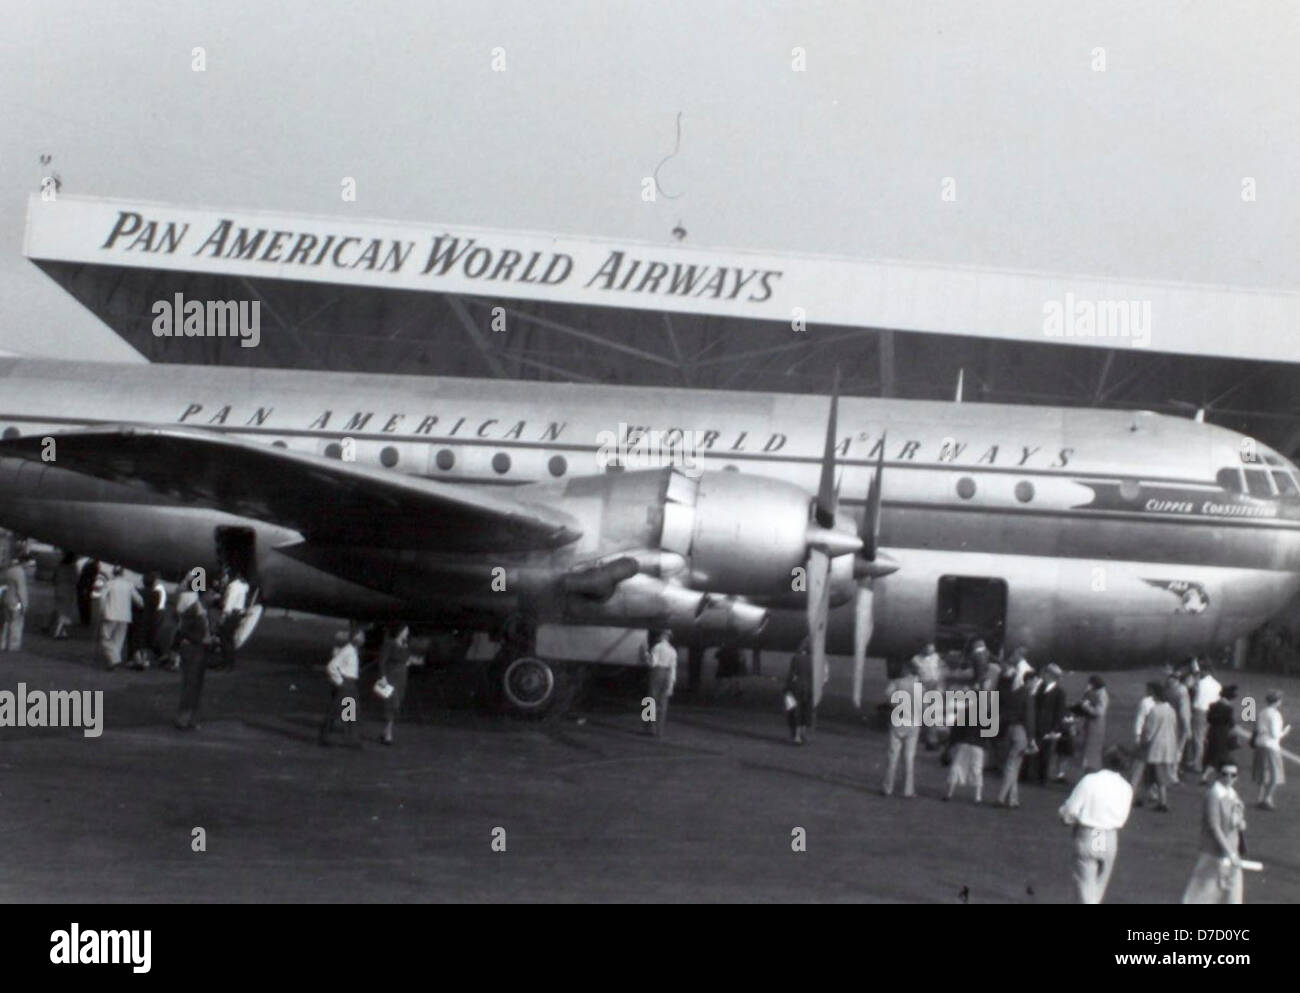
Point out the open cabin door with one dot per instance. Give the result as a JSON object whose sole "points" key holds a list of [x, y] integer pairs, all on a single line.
{"points": [[970, 607]]}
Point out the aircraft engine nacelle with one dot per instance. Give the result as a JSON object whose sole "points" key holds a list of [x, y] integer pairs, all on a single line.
{"points": [[731, 617], [722, 533], [640, 600], [739, 534]]}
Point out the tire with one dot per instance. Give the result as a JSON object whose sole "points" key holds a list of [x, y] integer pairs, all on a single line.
{"points": [[528, 684], [531, 688]]}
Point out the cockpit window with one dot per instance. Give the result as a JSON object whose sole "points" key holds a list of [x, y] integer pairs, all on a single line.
{"points": [[1285, 484], [1230, 479], [1257, 483]]}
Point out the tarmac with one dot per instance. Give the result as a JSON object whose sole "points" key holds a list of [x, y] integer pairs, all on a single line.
{"points": [[587, 807]]}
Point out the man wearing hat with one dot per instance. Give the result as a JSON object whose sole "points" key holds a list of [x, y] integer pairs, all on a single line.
{"points": [[1049, 723], [1019, 736]]}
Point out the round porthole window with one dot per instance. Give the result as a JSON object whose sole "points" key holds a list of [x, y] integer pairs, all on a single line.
{"points": [[388, 457], [501, 462], [333, 450], [1024, 491], [445, 459], [557, 465], [965, 487]]}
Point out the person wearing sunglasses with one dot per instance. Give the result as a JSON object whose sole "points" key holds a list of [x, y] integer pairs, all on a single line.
{"points": [[1217, 877]]}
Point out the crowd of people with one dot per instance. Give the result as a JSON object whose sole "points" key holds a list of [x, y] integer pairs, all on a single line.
{"points": [[1185, 729], [132, 623], [1186, 725], [138, 623]]}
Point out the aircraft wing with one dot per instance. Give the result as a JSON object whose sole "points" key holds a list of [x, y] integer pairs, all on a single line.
{"points": [[326, 500]]}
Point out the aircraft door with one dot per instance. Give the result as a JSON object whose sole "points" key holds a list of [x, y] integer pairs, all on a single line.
{"points": [[237, 549], [970, 607]]}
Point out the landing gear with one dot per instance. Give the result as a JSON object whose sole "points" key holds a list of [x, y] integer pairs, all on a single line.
{"points": [[528, 684], [533, 688]]}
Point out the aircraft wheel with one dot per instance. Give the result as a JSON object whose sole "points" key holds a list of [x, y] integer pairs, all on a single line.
{"points": [[529, 684]]}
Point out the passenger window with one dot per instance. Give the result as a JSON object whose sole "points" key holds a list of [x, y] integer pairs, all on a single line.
{"points": [[1285, 484], [1230, 479], [1257, 483]]}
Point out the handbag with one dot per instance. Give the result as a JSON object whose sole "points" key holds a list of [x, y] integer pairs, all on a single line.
{"points": [[383, 688]]}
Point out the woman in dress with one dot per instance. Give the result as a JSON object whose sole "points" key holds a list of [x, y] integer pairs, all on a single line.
{"points": [[1270, 729], [65, 595], [1159, 744], [392, 668], [1221, 732], [1217, 875], [1093, 709]]}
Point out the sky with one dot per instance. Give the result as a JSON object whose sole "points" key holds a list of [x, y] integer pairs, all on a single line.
{"points": [[1100, 138]]}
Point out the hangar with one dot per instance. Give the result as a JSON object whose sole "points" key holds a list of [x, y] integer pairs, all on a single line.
{"points": [[421, 297]]}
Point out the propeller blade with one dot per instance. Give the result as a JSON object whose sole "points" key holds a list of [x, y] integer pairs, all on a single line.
{"points": [[869, 531], [862, 621], [819, 608], [827, 498]]}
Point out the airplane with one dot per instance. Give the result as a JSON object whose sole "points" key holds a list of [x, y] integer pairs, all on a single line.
{"points": [[1096, 539]]}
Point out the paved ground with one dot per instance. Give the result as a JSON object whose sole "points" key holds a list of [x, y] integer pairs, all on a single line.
{"points": [[592, 809]]}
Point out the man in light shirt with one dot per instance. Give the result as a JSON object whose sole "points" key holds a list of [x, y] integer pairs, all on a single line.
{"points": [[343, 670], [1019, 663], [233, 604], [1097, 808], [929, 669], [1206, 693], [663, 677], [904, 730], [115, 615]]}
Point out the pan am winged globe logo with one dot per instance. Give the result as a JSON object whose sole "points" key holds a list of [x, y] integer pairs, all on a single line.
{"points": [[1192, 597]]}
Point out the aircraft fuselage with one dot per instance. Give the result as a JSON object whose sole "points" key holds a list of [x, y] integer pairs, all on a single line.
{"points": [[1120, 537]]}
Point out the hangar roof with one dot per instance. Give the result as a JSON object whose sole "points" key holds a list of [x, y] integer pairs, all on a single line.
{"points": [[381, 296]]}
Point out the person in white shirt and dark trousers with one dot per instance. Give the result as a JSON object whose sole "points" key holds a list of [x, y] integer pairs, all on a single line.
{"points": [[1205, 694], [1097, 808], [663, 676], [233, 604], [343, 670]]}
